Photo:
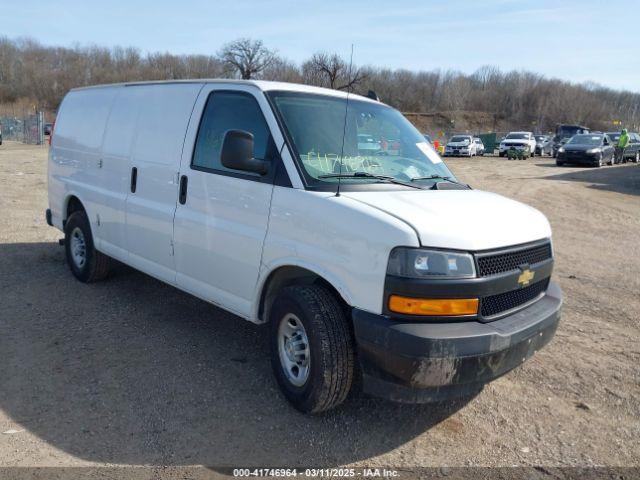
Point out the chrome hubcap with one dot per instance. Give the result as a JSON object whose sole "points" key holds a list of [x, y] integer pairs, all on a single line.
{"points": [[78, 248], [293, 349]]}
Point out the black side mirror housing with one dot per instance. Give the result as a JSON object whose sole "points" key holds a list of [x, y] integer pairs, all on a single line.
{"points": [[237, 153]]}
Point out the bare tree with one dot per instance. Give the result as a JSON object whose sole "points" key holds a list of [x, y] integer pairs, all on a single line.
{"points": [[330, 70], [247, 57], [33, 74], [282, 70]]}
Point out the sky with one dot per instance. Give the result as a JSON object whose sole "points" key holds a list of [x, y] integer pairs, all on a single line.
{"points": [[580, 41]]}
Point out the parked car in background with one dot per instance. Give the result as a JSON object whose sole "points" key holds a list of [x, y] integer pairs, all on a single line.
{"points": [[48, 127], [586, 149], [367, 145], [632, 152], [564, 133], [460, 146], [479, 146], [517, 141], [543, 145]]}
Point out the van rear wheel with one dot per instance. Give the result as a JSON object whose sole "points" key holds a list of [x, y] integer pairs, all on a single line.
{"points": [[312, 348], [86, 263]]}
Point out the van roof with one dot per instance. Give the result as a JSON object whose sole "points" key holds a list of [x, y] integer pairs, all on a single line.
{"points": [[263, 85]]}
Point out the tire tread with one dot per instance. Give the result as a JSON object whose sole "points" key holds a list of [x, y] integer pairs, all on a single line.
{"points": [[327, 316], [99, 264]]}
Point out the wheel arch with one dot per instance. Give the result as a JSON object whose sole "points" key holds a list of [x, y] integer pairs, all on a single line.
{"points": [[72, 204], [294, 274]]}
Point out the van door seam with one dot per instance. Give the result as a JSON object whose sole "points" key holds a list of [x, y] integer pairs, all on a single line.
{"points": [[266, 231], [175, 208]]}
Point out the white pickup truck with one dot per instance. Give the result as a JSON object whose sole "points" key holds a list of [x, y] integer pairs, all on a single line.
{"points": [[518, 141], [370, 266]]}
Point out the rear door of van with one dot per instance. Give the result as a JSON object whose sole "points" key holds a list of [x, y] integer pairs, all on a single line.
{"points": [[163, 118], [222, 217]]}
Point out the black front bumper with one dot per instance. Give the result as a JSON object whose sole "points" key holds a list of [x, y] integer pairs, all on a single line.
{"points": [[579, 158], [427, 362]]}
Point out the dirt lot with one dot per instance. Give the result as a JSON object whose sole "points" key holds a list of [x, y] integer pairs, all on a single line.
{"points": [[131, 371]]}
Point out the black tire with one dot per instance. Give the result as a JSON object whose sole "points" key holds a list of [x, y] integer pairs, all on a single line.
{"points": [[96, 265], [331, 347], [559, 164], [501, 154]]}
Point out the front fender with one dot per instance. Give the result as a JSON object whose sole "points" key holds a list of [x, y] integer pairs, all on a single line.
{"points": [[267, 270]]}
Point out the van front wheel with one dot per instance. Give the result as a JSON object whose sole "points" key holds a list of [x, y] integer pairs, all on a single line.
{"points": [[86, 263], [312, 348]]}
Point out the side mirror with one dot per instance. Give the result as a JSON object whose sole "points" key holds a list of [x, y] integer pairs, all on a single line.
{"points": [[237, 153]]}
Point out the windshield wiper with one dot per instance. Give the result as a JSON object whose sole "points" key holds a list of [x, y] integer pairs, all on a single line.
{"points": [[384, 178], [446, 179]]}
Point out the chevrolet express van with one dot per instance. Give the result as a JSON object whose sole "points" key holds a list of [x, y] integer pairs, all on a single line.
{"points": [[372, 268]]}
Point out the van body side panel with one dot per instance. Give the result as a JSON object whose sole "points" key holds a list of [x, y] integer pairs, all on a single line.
{"points": [[116, 158], [342, 240], [220, 230], [74, 158], [164, 115]]}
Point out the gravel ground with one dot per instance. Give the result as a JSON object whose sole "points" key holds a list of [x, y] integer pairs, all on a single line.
{"points": [[132, 371]]}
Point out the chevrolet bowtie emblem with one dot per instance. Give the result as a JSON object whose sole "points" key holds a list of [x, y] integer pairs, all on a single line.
{"points": [[525, 277]]}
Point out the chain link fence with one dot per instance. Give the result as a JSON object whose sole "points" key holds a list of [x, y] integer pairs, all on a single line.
{"points": [[25, 129]]}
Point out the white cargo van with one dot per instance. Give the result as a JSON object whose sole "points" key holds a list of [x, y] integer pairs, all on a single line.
{"points": [[255, 196]]}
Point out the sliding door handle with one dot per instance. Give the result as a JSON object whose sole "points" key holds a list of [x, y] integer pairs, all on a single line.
{"points": [[134, 179], [183, 189]]}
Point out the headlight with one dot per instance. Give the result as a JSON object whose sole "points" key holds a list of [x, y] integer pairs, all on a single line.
{"points": [[419, 263], [594, 150], [561, 150]]}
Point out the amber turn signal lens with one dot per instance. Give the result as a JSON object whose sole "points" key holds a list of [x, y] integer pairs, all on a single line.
{"points": [[437, 307]]}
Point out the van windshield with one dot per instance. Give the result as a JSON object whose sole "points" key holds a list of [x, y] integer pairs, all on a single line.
{"points": [[378, 140]]}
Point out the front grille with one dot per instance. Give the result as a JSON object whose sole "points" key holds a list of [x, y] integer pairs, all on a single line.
{"points": [[496, 304], [576, 154], [509, 261]]}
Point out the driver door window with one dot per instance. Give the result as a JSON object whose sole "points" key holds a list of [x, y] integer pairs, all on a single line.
{"points": [[230, 110]]}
